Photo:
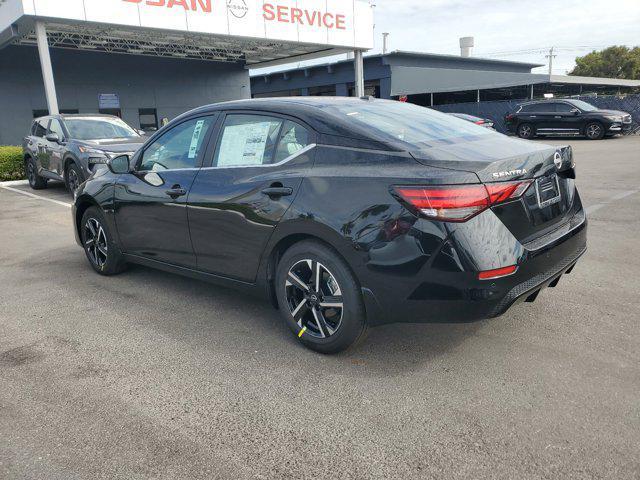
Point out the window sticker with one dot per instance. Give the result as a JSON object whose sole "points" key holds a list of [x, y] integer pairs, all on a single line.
{"points": [[244, 144], [195, 139]]}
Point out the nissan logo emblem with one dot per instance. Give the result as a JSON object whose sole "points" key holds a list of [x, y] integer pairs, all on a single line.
{"points": [[557, 159], [238, 8]]}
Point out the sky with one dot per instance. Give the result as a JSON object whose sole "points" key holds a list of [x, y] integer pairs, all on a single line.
{"points": [[504, 27]]}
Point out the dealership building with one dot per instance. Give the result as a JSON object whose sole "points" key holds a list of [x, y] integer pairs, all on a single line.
{"points": [[146, 60], [432, 79]]}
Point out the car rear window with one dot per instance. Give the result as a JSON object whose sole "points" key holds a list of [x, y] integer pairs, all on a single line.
{"points": [[417, 126]]}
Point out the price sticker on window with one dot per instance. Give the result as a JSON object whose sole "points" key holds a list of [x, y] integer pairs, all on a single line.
{"points": [[195, 139]]}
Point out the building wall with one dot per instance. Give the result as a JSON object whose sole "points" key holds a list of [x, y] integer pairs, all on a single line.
{"points": [[338, 76], [416, 80], [171, 86]]}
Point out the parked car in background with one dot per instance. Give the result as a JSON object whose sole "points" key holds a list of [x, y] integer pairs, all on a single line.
{"points": [[69, 147], [346, 213], [566, 117], [483, 122]]}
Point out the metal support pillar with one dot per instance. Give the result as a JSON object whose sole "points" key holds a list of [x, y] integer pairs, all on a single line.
{"points": [[478, 97], [47, 70], [532, 92], [432, 99], [358, 62]]}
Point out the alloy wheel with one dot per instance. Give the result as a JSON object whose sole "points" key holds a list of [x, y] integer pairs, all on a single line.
{"points": [[95, 242], [72, 180], [525, 131], [594, 130], [314, 298]]}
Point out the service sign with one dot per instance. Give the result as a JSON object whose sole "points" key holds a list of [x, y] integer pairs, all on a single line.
{"points": [[339, 23]]}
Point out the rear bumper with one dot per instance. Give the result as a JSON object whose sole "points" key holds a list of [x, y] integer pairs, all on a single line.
{"points": [[461, 297]]}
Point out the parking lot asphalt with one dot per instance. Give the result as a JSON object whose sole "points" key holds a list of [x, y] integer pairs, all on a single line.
{"points": [[151, 375]]}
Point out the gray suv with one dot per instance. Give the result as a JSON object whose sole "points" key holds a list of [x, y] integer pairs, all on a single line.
{"points": [[70, 147]]}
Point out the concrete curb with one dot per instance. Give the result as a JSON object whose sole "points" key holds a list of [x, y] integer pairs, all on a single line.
{"points": [[13, 183]]}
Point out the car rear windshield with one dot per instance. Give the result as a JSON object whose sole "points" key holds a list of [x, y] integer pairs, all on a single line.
{"points": [[417, 126], [94, 128]]}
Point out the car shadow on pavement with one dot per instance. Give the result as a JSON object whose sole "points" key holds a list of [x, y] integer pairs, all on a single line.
{"points": [[225, 319]]}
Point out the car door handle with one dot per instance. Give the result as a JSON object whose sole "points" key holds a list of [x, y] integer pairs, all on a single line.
{"points": [[176, 191], [274, 192]]}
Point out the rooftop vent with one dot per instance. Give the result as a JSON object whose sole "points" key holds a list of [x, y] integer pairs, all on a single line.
{"points": [[466, 46]]}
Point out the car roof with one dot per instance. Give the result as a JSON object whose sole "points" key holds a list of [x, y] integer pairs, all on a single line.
{"points": [[310, 110], [548, 100], [75, 115], [84, 115]]}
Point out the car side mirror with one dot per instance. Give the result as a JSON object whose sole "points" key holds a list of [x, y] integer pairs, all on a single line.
{"points": [[53, 138], [141, 132], [575, 111], [119, 164]]}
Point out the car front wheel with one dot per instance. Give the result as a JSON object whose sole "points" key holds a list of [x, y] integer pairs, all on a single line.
{"points": [[594, 131], [320, 298], [103, 254], [73, 178]]}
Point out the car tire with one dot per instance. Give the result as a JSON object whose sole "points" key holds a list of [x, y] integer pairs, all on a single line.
{"points": [[103, 254], [594, 131], [36, 182], [73, 177], [526, 131], [312, 313]]}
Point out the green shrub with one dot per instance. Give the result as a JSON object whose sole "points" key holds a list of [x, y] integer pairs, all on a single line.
{"points": [[11, 164]]}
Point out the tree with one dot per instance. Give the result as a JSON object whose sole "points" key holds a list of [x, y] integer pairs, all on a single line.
{"points": [[612, 62]]}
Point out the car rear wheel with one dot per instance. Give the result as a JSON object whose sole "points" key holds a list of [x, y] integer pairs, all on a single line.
{"points": [[73, 178], [35, 181], [526, 131], [103, 254], [319, 298], [594, 131]]}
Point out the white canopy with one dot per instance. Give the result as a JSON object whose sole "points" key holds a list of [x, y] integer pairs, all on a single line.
{"points": [[253, 31]]}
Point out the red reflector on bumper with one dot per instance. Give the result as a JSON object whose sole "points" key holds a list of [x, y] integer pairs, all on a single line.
{"points": [[497, 273]]}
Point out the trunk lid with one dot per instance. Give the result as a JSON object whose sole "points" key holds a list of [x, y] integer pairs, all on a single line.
{"points": [[547, 203]]}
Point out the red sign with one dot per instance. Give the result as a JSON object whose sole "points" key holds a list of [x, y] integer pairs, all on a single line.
{"points": [[404, 98], [302, 16], [204, 5]]}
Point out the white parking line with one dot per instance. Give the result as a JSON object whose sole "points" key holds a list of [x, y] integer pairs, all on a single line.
{"points": [[622, 195], [594, 208], [615, 198], [33, 195]]}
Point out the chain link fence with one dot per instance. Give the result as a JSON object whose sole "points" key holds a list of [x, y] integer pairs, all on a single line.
{"points": [[497, 110]]}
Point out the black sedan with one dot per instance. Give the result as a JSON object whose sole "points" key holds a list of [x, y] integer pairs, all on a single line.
{"points": [[345, 213]]}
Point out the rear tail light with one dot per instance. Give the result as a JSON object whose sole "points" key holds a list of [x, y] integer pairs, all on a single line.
{"points": [[497, 273], [458, 203], [508, 117], [479, 122]]}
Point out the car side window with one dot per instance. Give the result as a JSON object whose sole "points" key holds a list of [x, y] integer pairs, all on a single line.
{"points": [[178, 148], [548, 107], [294, 137], [40, 128], [247, 140], [56, 127], [564, 108]]}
